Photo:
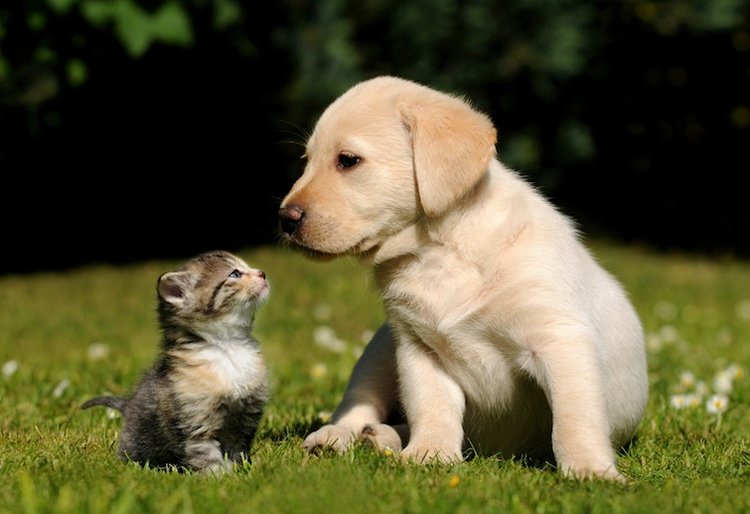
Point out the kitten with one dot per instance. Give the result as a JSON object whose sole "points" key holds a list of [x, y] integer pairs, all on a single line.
{"points": [[199, 406]]}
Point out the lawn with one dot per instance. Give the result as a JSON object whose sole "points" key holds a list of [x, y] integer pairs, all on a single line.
{"points": [[67, 336]]}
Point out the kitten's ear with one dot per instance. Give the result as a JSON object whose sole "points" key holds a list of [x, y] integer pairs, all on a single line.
{"points": [[171, 286]]}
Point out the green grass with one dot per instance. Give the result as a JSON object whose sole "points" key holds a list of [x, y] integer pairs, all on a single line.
{"points": [[56, 458]]}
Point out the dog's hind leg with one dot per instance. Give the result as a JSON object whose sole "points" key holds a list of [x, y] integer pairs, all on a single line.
{"points": [[370, 397]]}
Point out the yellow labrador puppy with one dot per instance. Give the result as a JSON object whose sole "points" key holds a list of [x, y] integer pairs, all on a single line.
{"points": [[503, 332]]}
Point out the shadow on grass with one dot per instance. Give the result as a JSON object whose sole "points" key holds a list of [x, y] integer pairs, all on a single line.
{"points": [[298, 428]]}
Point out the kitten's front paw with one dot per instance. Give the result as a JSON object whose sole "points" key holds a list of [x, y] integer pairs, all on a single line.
{"points": [[385, 437], [335, 437], [217, 469]]}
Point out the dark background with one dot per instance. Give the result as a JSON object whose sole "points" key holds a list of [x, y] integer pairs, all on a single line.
{"points": [[134, 129]]}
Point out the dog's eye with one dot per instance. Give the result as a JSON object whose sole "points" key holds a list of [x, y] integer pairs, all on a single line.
{"points": [[235, 274], [347, 160]]}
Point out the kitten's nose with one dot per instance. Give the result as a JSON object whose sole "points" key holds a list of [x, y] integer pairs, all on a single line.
{"points": [[290, 218], [261, 274]]}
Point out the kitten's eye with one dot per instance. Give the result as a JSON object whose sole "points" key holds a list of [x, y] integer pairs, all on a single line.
{"points": [[235, 274], [347, 160]]}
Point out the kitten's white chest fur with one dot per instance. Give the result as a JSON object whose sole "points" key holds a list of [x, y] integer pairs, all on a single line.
{"points": [[229, 368]]}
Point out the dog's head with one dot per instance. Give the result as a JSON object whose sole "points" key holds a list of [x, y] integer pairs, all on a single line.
{"points": [[383, 155]]}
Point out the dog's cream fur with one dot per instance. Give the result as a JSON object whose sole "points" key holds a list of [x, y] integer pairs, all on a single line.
{"points": [[503, 332]]}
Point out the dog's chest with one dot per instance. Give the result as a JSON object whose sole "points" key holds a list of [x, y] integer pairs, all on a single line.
{"points": [[440, 300], [437, 289]]}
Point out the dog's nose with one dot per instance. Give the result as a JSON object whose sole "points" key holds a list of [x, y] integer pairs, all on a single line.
{"points": [[290, 218]]}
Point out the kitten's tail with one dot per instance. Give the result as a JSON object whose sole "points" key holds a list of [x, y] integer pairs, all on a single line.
{"points": [[115, 402]]}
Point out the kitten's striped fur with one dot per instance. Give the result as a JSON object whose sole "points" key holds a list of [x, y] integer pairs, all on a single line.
{"points": [[199, 406]]}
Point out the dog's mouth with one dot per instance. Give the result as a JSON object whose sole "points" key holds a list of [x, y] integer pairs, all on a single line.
{"points": [[308, 251], [360, 249]]}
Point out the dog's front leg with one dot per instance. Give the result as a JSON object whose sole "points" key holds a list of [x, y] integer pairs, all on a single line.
{"points": [[433, 403], [580, 430], [370, 397]]}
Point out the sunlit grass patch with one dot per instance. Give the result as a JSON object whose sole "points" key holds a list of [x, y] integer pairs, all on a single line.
{"points": [[67, 336]]}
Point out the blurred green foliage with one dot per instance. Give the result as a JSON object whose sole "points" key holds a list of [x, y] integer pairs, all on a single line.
{"points": [[135, 27], [451, 44], [574, 86]]}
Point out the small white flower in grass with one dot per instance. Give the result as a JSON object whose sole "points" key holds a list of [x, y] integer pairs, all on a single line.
{"points": [[98, 351], [717, 404], [318, 370], [735, 371], [654, 342], [366, 335], [325, 416], [683, 401], [322, 312], [668, 334], [61, 387], [743, 310], [701, 389], [687, 379], [678, 401], [326, 337], [724, 337], [9, 368], [665, 310], [723, 382]]}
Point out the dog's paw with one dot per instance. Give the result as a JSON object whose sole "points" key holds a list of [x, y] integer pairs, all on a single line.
{"points": [[609, 473], [426, 455], [333, 437], [384, 437]]}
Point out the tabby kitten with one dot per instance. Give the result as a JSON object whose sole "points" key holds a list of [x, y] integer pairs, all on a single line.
{"points": [[199, 406]]}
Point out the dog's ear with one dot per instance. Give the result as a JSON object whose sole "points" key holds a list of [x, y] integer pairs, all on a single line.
{"points": [[452, 145]]}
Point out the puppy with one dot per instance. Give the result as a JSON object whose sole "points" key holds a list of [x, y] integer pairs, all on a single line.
{"points": [[503, 332]]}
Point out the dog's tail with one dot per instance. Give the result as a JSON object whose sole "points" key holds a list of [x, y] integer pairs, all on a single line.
{"points": [[114, 402]]}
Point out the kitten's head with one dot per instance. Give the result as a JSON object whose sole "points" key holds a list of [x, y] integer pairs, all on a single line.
{"points": [[212, 288]]}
